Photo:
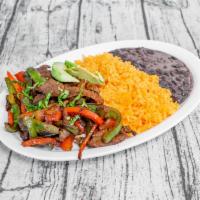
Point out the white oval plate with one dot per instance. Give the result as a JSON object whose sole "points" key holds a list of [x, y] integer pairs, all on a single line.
{"points": [[13, 141]]}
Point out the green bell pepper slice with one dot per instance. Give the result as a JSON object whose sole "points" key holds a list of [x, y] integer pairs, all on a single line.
{"points": [[114, 114], [10, 86], [36, 76], [16, 112]]}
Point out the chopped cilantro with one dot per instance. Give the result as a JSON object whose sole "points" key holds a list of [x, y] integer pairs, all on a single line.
{"points": [[63, 95], [44, 102], [73, 120], [73, 102]]}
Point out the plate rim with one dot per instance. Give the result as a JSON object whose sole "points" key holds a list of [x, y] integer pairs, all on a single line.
{"points": [[185, 109]]}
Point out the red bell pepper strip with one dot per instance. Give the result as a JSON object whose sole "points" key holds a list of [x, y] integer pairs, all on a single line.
{"points": [[67, 144], [22, 108], [53, 118], [10, 76], [85, 113], [39, 115], [91, 115], [53, 114], [80, 126], [85, 141], [27, 114], [72, 110], [39, 141], [17, 86], [20, 76], [10, 118], [109, 123]]}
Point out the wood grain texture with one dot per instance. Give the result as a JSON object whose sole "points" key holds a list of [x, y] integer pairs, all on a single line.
{"points": [[165, 168]]}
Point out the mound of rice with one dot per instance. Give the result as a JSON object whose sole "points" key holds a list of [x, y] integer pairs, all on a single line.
{"points": [[136, 94]]}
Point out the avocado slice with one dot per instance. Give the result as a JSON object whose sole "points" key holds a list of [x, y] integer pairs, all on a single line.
{"points": [[82, 73], [59, 73]]}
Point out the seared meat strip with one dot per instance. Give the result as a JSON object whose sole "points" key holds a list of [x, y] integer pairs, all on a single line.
{"points": [[51, 86], [37, 98], [126, 130], [55, 87], [92, 87], [74, 91], [24, 135], [96, 140], [43, 70]]}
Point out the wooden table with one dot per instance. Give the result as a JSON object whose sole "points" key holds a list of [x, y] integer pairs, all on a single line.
{"points": [[165, 168]]}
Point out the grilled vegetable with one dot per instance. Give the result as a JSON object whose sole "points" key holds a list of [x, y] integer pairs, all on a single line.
{"points": [[41, 104], [35, 76], [53, 114], [113, 114], [33, 126], [72, 129], [80, 126], [86, 140], [29, 105], [11, 99], [39, 115], [109, 123], [110, 135], [59, 73], [39, 141], [85, 113], [9, 128], [27, 114], [48, 130], [92, 107], [20, 76], [10, 118], [67, 144], [27, 90], [22, 107], [36, 128], [16, 85], [10, 86], [73, 120], [82, 73], [15, 110]]}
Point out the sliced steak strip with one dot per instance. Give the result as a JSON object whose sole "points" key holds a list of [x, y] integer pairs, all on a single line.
{"points": [[52, 86], [74, 91], [44, 71], [37, 98], [92, 87], [172, 72], [96, 140], [126, 130], [55, 87]]}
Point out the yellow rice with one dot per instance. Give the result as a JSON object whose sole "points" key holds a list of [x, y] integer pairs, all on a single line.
{"points": [[136, 94]]}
